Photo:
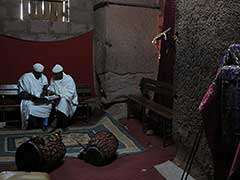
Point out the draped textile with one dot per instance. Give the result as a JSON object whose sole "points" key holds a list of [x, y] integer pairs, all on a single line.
{"points": [[66, 89], [220, 109], [27, 82]]}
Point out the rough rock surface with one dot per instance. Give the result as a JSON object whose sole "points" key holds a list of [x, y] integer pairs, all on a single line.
{"points": [[206, 29], [123, 52]]}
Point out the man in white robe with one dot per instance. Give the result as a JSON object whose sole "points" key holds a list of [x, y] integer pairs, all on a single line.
{"points": [[63, 86], [34, 110]]}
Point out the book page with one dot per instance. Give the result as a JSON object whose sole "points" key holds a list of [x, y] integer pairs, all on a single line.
{"points": [[53, 97]]}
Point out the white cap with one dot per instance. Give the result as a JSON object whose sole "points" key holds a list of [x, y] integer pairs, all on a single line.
{"points": [[57, 68], [38, 67]]}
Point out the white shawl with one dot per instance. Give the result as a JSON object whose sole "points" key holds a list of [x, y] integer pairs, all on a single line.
{"points": [[66, 89], [31, 85]]}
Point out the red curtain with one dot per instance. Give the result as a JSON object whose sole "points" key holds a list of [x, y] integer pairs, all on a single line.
{"points": [[74, 54], [167, 52]]}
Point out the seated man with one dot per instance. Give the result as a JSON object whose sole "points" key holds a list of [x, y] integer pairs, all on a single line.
{"points": [[63, 86], [34, 109]]}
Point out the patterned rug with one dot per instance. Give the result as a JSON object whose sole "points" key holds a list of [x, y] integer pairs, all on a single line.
{"points": [[10, 141]]}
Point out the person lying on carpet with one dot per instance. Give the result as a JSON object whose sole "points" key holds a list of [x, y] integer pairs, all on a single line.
{"points": [[34, 109], [63, 86]]}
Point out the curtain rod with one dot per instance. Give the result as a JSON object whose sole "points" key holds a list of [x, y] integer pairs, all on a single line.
{"points": [[107, 3]]}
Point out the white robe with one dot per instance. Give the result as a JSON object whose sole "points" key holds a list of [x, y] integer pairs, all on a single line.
{"points": [[31, 85], [66, 89]]}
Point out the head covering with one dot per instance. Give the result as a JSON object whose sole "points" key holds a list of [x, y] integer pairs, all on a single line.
{"points": [[38, 67], [231, 56], [57, 68]]}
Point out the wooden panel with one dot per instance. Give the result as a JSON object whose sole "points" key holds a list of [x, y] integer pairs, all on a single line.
{"points": [[161, 88], [11, 107], [8, 89], [161, 110], [84, 91], [147, 102]]}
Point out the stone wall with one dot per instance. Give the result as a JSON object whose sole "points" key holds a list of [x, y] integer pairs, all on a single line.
{"points": [[123, 50], [81, 21], [206, 29]]}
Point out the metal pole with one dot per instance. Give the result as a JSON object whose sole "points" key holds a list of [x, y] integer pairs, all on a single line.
{"points": [[195, 151], [192, 153]]}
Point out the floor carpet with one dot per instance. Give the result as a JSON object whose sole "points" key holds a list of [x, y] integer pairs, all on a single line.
{"points": [[139, 166], [11, 140]]}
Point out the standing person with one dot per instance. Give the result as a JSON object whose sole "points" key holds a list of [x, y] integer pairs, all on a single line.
{"points": [[34, 109], [63, 86], [220, 110]]}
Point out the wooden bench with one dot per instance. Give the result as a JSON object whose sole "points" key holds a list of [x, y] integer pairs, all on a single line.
{"points": [[9, 104], [149, 90], [84, 94]]}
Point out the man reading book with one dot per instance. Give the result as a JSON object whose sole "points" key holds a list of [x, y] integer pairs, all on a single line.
{"points": [[35, 110], [63, 86]]}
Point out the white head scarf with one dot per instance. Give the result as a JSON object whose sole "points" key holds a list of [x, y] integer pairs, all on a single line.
{"points": [[57, 68], [38, 67]]}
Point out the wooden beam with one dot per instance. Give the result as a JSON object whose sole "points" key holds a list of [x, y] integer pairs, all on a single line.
{"points": [[107, 3]]}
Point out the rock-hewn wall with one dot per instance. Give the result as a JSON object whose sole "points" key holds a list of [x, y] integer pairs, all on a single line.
{"points": [[206, 29], [81, 21], [123, 51]]}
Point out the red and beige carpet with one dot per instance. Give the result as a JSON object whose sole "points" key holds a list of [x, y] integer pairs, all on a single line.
{"points": [[72, 137], [135, 166]]}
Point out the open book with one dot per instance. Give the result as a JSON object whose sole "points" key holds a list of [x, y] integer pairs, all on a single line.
{"points": [[50, 98]]}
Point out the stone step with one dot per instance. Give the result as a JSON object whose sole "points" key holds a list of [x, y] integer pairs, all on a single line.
{"points": [[170, 171]]}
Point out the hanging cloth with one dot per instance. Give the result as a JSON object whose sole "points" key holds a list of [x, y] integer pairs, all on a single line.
{"points": [[220, 109]]}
